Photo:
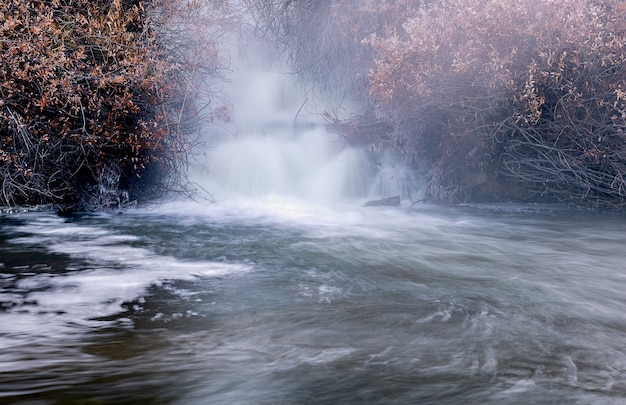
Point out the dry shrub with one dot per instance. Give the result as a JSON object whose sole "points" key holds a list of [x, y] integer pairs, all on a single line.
{"points": [[499, 99], [501, 94], [322, 40], [97, 99]]}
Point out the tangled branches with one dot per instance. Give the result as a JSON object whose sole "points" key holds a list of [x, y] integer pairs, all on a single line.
{"points": [[323, 39], [502, 100], [96, 100], [516, 100]]}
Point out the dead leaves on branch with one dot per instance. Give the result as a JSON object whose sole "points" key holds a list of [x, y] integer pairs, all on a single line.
{"points": [[497, 96], [87, 87]]}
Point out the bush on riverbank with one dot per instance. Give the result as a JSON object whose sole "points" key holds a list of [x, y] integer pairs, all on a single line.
{"points": [[98, 98], [499, 99]]}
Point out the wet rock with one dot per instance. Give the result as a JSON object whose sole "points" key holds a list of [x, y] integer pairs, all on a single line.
{"points": [[384, 202]]}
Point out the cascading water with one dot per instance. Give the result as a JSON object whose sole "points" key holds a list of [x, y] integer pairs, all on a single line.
{"points": [[305, 165], [289, 291], [276, 144]]}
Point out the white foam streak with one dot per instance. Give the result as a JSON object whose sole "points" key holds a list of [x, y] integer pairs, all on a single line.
{"points": [[318, 219], [115, 272]]}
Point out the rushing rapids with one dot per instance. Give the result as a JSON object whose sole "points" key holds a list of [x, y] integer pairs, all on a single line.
{"points": [[288, 290], [282, 301]]}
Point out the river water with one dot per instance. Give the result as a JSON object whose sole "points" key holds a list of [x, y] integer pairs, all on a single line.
{"points": [[277, 300], [287, 290]]}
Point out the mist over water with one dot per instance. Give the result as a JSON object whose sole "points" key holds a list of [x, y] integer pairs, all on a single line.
{"points": [[277, 143], [287, 290], [279, 300], [305, 165]]}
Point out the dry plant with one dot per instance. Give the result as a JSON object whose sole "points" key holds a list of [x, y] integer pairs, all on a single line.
{"points": [[510, 99], [322, 40], [499, 99], [98, 98]]}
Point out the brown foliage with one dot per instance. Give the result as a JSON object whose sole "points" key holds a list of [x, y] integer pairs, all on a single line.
{"points": [[501, 99], [95, 99], [529, 92]]}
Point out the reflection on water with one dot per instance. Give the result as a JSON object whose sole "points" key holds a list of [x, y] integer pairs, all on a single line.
{"points": [[278, 301]]}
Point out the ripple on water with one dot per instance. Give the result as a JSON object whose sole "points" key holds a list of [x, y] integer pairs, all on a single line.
{"points": [[340, 306]]}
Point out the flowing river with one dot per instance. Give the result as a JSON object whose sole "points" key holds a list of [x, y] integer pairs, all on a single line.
{"points": [[275, 300], [287, 290]]}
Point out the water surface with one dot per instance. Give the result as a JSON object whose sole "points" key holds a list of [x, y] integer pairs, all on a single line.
{"points": [[278, 301]]}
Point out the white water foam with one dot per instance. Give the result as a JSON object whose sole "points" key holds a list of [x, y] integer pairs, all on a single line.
{"points": [[277, 144], [305, 165], [115, 271]]}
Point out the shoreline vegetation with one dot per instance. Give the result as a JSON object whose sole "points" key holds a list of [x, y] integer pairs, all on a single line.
{"points": [[493, 100], [101, 101]]}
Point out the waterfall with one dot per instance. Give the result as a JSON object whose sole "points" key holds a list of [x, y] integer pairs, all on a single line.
{"points": [[306, 164], [277, 143]]}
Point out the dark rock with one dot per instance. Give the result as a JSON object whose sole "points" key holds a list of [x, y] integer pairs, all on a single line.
{"points": [[387, 202]]}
